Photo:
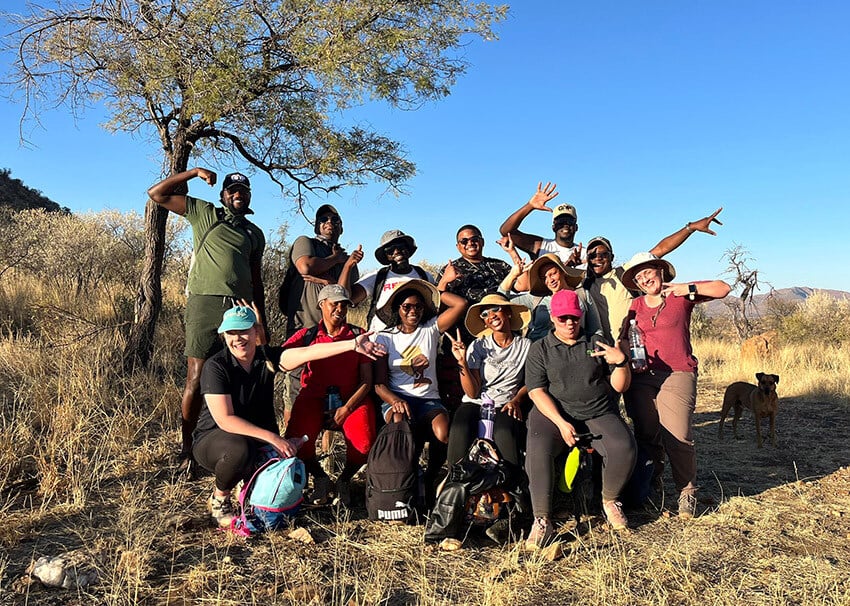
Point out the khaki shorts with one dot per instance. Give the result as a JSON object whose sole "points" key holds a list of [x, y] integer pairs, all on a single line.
{"points": [[203, 317]]}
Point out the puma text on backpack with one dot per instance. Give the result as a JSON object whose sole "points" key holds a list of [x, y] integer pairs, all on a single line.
{"points": [[391, 478], [271, 497]]}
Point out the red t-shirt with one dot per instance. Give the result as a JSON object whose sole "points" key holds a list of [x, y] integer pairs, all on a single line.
{"points": [[668, 337], [342, 370]]}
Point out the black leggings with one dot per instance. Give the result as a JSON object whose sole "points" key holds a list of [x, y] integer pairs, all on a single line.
{"points": [[616, 446], [507, 432], [227, 455]]}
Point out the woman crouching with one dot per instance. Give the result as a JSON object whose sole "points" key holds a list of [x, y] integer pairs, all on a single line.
{"points": [[238, 415]]}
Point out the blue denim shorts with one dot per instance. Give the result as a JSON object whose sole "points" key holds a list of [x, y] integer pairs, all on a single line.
{"points": [[419, 407]]}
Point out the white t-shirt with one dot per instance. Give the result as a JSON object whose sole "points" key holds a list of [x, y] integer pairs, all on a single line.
{"points": [[501, 369], [412, 360], [552, 246], [367, 282]]}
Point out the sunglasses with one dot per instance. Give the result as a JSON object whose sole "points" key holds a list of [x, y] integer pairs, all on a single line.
{"points": [[485, 313], [565, 319], [465, 241], [408, 307], [332, 218], [391, 248], [603, 254], [561, 221]]}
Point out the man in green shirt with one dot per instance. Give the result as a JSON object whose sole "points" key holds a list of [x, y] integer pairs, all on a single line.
{"points": [[226, 264]]}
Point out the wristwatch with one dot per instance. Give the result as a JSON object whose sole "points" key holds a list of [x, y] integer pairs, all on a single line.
{"points": [[692, 291]]}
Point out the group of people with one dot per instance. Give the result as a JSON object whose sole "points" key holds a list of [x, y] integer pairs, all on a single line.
{"points": [[544, 341]]}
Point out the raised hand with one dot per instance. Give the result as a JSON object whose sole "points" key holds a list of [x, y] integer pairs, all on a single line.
{"points": [[543, 194], [612, 355], [704, 224], [450, 273], [458, 348], [207, 175], [575, 256], [507, 245], [261, 334], [355, 256]]}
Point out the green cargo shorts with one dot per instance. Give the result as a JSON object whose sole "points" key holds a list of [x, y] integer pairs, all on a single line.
{"points": [[202, 318]]}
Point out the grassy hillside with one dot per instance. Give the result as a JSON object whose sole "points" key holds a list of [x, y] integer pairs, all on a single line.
{"points": [[85, 468]]}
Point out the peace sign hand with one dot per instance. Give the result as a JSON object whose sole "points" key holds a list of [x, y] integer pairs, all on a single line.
{"points": [[458, 348]]}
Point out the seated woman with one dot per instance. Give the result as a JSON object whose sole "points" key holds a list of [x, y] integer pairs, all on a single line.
{"points": [[493, 365], [238, 415], [406, 379], [573, 382]]}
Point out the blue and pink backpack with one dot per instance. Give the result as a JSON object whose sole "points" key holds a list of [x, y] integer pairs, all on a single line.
{"points": [[271, 497]]}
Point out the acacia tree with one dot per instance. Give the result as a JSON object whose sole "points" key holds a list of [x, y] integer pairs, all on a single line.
{"points": [[267, 80], [745, 282]]}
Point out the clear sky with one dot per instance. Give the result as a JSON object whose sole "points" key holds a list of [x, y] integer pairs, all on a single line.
{"points": [[646, 115]]}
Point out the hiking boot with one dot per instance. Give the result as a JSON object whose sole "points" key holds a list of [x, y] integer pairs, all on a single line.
{"points": [[541, 533], [615, 516], [221, 509], [687, 505], [321, 490], [343, 494]]}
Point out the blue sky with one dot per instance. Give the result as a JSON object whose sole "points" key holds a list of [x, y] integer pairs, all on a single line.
{"points": [[646, 115]]}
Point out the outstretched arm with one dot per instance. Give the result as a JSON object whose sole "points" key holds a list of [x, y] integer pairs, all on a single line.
{"points": [[529, 242], [455, 306], [297, 356], [709, 289], [163, 192], [675, 240]]}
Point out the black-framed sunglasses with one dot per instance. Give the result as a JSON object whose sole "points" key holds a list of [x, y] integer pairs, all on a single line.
{"points": [[408, 307], [565, 220], [332, 218], [391, 248], [602, 254], [485, 313], [465, 241]]}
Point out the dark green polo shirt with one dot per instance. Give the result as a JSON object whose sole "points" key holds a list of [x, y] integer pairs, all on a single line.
{"points": [[222, 266]]}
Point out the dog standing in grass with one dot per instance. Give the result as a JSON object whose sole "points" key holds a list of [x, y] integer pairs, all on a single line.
{"points": [[761, 399]]}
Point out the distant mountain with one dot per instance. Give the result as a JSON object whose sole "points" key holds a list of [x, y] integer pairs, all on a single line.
{"points": [[795, 294], [17, 196]]}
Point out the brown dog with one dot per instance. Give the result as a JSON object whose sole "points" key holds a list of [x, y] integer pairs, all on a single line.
{"points": [[761, 399]]}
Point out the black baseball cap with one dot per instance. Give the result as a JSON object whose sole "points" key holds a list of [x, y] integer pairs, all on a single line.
{"points": [[234, 179]]}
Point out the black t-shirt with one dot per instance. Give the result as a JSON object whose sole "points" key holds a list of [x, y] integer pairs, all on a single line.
{"points": [[578, 382], [252, 392]]}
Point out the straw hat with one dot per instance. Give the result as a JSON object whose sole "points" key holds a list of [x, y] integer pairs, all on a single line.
{"points": [[427, 291], [537, 286], [641, 261], [520, 314]]}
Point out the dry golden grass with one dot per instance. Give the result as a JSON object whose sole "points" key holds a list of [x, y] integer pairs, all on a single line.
{"points": [[84, 465]]}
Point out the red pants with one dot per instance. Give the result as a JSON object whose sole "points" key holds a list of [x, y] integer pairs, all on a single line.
{"points": [[308, 417]]}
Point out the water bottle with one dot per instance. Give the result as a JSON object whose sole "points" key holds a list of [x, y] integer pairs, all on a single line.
{"points": [[333, 400], [637, 350], [488, 417]]}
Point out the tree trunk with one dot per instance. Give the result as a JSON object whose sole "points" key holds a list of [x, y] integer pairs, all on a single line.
{"points": [[139, 348]]}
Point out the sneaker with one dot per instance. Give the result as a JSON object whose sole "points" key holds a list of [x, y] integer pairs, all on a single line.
{"points": [[321, 490], [687, 505], [343, 495], [221, 509], [541, 533], [615, 516]]}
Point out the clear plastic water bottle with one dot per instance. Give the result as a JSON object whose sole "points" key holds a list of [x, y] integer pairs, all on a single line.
{"points": [[333, 400], [488, 417], [637, 349]]}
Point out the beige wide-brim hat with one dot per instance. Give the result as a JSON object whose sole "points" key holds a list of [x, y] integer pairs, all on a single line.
{"points": [[429, 293], [641, 261], [536, 284], [520, 315]]}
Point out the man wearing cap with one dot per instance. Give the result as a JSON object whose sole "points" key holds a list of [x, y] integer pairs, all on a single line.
{"points": [[351, 374], [393, 252], [604, 281], [564, 224], [314, 262], [226, 266]]}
